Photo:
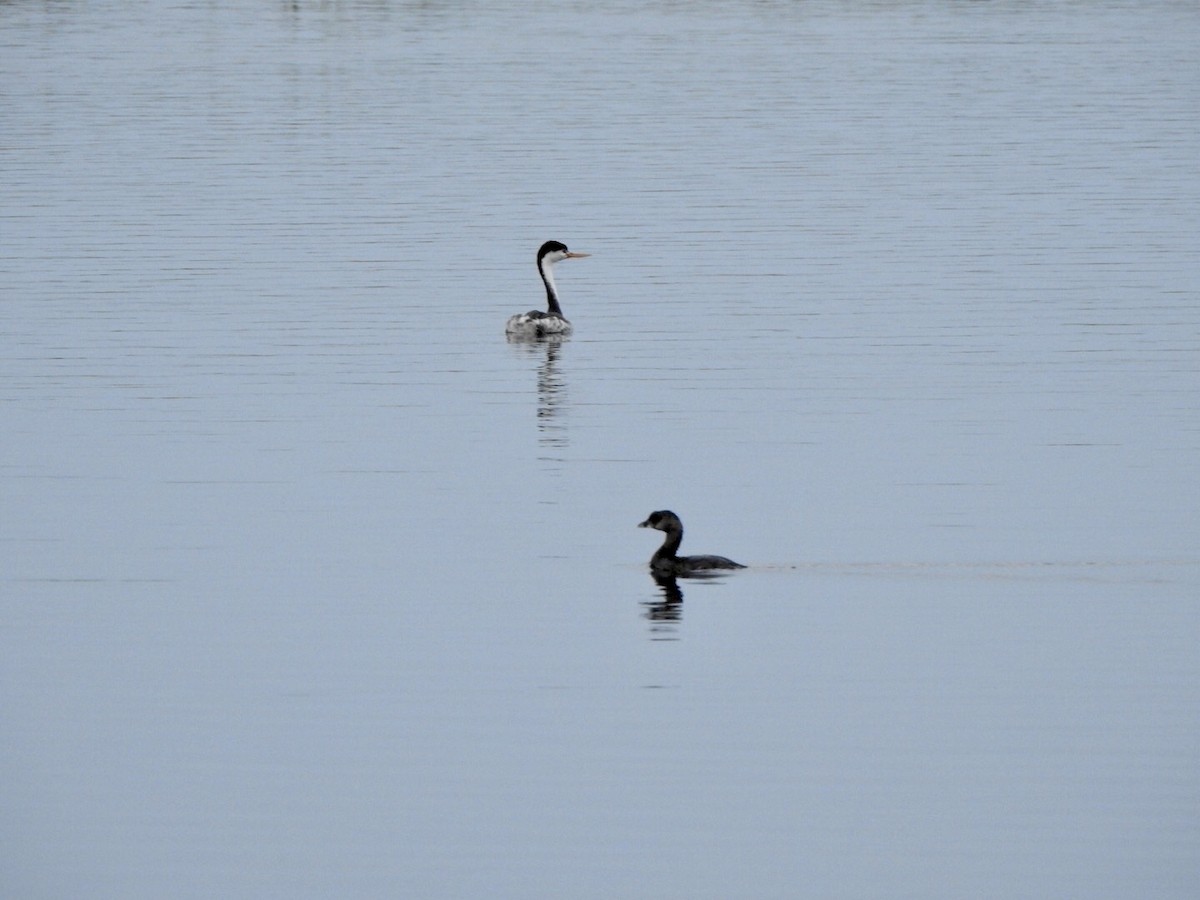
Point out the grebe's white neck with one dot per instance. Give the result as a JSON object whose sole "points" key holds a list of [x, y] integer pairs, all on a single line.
{"points": [[548, 254], [546, 267]]}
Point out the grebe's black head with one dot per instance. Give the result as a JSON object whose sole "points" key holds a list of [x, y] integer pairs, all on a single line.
{"points": [[663, 520], [554, 251]]}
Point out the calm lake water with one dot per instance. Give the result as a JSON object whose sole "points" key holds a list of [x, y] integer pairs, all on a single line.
{"points": [[313, 585]]}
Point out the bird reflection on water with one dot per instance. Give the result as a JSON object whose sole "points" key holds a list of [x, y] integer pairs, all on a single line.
{"points": [[665, 612], [551, 385]]}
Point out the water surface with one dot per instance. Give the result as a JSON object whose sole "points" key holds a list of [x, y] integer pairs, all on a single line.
{"points": [[312, 584]]}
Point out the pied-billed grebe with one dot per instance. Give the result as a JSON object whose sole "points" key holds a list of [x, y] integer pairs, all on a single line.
{"points": [[536, 323], [666, 562]]}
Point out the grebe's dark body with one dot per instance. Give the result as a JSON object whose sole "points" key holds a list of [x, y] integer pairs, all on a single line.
{"points": [[665, 560], [536, 323]]}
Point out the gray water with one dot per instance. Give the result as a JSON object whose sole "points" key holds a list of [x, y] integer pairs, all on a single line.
{"points": [[312, 585]]}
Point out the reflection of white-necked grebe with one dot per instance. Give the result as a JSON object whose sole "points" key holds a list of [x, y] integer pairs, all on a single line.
{"points": [[536, 323], [665, 562]]}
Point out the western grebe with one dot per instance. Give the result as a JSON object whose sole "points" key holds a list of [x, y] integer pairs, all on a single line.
{"points": [[536, 323], [665, 562]]}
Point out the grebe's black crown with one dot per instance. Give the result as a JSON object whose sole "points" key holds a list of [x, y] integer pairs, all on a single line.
{"points": [[657, 518], [551, 247]]}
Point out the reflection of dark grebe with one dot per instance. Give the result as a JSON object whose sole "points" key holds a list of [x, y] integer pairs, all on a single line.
{"points": [[669, 607], [665, 562], [536, 323]]}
